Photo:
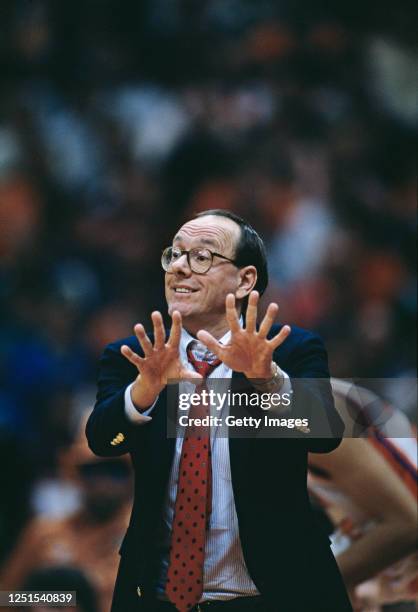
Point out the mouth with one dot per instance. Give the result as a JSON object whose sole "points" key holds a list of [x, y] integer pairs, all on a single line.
{"points": [[183, 290]]}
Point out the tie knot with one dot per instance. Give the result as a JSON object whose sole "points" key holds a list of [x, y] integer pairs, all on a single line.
{"points": [[203, 361]]}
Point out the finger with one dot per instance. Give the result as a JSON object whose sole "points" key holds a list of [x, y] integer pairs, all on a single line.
{"points": [[268, 320], [143, 339], [131, 356], [159, 331], [210, 342], [251, 314], [175, 332], [280, 338], [231, 313]]}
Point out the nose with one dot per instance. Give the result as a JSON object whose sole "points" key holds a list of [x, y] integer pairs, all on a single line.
{"points": [[181, 266]]}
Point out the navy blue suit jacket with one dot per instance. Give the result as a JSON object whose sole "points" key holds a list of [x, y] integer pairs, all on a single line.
{"points": [[286, 554]]}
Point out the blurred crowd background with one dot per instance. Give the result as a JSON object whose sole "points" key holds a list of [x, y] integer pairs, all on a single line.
{"points": [[118, 120]]}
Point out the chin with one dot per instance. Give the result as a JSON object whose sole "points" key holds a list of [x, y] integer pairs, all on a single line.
{"points": [[184, 309]]}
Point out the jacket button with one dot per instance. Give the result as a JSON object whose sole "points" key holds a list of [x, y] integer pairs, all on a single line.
{"points": [[138, 591]]}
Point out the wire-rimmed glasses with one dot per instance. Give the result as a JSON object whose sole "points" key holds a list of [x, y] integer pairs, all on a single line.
{"points": [[200, 260]]}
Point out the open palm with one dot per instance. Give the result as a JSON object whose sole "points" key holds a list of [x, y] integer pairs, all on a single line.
{"points": [[161, 360], [249, 351]]}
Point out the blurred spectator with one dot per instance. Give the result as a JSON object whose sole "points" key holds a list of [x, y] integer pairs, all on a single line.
{"points": [[89, 538], [62, 579]]}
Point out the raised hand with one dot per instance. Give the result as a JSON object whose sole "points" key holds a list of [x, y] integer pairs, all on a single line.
{"points": [[249, 351], [160, 363]]}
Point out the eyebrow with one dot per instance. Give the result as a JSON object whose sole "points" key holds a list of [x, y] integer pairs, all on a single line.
{"points": [[206, 241]]}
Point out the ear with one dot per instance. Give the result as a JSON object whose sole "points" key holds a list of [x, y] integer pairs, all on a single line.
{"points": [[247, 281]]}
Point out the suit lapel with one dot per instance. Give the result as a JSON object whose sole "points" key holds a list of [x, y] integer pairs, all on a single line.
{"points": [[163, 446], [239, 447]]}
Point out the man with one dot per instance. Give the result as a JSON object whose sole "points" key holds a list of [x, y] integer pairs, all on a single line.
{"points": [[238, 532]]}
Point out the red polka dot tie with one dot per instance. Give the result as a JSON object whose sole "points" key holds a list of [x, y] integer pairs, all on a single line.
{"points": [[193, 504]]}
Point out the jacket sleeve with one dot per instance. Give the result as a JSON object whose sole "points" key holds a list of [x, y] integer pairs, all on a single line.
{"points": [[312, 395], [109, 431]]}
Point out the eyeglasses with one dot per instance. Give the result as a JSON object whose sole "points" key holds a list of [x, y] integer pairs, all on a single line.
{"points": [[200, 260]]}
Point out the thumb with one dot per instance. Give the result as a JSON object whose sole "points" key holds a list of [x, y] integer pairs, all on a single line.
{"points": [[209, 341], [186, 374]]}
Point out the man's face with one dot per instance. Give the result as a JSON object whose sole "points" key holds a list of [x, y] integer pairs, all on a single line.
{"points": [[204, 301]]}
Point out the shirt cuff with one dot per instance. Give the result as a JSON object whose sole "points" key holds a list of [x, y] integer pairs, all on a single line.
{"points": [[132, 413]]}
